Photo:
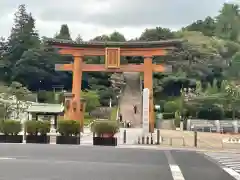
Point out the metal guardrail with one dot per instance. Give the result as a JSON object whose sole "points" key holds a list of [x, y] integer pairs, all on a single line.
{"points": [[170, 140], [220, 126]]}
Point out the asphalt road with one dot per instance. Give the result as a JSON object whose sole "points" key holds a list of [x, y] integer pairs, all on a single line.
{"points": [[63, 162]]}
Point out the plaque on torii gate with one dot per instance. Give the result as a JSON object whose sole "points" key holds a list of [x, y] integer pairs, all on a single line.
{"points": [[112, 52]]}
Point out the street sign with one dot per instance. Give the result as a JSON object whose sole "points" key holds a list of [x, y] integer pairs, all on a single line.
{"points": [[145, 108]]}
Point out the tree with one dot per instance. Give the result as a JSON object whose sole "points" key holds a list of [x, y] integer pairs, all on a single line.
{"points": [[101, 38], [156, 34], [206, 26], [233, 70], [92, 100], [23, 37], [18, 103], [40, 64], [228, 22], [116, 36], [64, 33], [79, 39], [233, 95]]}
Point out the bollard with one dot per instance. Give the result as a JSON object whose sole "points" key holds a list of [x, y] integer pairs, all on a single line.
{"points": [[124, 136], [151, 138], [195, 138], [147, 139], [143, 140], [158, 137], [139, 140]]}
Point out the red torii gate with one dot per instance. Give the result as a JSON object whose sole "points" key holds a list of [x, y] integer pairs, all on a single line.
{"points": [[112, 52]]}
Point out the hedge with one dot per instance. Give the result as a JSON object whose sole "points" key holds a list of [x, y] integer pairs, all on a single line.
{"points": [[168, 115], [10, 127]]}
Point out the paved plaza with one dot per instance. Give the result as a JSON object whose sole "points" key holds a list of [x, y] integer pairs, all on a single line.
{"points": [[64, 162]]}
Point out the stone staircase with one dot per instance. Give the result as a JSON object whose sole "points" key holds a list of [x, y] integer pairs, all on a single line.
{"points": [[131, 96]]}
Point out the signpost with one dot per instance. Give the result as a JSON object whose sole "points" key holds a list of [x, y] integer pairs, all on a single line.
{"points": [[145, 116]]}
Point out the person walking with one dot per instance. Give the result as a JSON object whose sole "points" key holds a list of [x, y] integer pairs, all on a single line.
{"points": [[120, 118], [135, 109]]}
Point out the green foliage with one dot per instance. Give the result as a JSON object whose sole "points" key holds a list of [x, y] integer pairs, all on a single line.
{"points": [[34, 127], [10, 127], [113, 115], [170, 107], [228, 22], [211, 113], [104, 127], [21, 92], [68, 127], [168, 115], [46, 96], [233, 70], [92, 100], [211, 45], [206, 26], [44, 127], [157, 34], [229, 114], [177, 119], [64, 33]]}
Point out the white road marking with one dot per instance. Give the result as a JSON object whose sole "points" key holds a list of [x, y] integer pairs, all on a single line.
{"points": [[230, 162], [6, 158], [232, 173], [176, 172]]}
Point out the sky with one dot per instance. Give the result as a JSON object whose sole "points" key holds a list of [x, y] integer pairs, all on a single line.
{"points": [[91, 18]]}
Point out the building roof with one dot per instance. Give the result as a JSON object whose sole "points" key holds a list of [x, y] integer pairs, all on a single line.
{"points": [[103, 44], [45, 108]]}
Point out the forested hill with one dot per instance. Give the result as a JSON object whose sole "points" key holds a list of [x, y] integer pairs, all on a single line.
{"points": [[211, 52]]}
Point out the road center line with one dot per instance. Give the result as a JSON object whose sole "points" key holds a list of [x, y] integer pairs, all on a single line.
{"points": [[6, 158], [175, 170]]}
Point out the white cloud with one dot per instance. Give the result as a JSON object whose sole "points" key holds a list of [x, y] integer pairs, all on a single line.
{"points": [[96, 17]]}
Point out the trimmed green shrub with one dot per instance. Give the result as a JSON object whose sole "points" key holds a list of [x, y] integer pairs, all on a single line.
{"points": [[32, 127], [44, 127], [104, 127], [229, 113], [168, 115], [68, 127], [177, 119], [10, 127], [211, 113], [170, 107]]}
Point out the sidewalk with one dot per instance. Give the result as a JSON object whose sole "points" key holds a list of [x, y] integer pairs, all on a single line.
{"points": [[204, 139]]}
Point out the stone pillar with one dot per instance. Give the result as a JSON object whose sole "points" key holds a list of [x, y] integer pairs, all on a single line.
{"points": [[189, 124], [68, 105], [82, 109], [30, 116], [52, 122], [181, 125], [235, 126], [217, 124], [148, 83]]}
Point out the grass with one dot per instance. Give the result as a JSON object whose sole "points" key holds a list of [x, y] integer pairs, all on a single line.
{"points": [[113, 114], [88, 119]]}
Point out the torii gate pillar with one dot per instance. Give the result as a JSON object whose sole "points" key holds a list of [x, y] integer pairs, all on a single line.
{"points": [[148, 83]]}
